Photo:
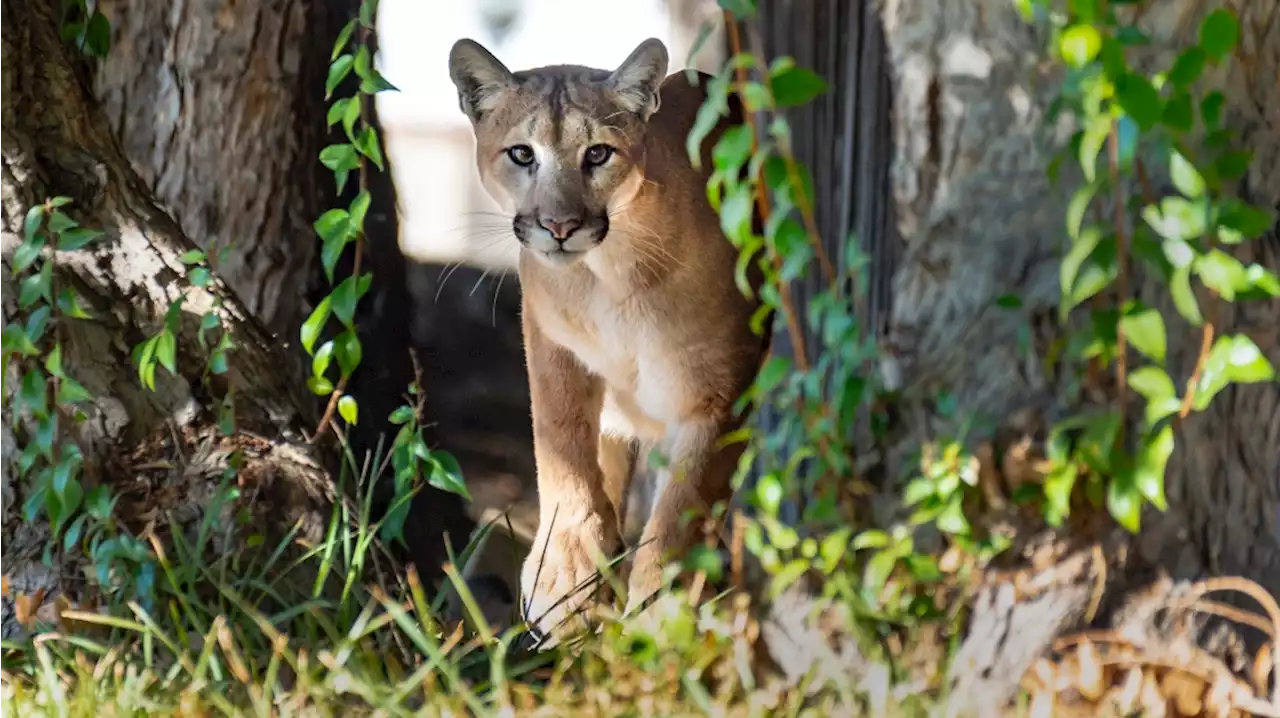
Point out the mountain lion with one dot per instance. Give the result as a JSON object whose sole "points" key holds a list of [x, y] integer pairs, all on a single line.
{"points": [[635, 334]]}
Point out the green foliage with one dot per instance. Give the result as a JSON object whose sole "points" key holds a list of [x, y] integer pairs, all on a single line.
{"points": [[343, 227], [804, 460], [1139, 118], [48, 404], [87, 31]]}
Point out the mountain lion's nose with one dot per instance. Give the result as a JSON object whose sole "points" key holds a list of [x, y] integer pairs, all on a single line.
{"points": [[560, 229]]}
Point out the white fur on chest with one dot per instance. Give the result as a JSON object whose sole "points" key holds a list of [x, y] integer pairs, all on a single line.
{"points": [[622, 343]]}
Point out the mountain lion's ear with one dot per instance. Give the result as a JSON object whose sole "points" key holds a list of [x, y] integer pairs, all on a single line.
{"points": [[637, 79], [479, 77]]}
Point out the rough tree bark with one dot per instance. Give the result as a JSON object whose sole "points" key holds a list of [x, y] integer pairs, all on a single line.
{"points": [[217, 107], [221, 109], [57, 142]]}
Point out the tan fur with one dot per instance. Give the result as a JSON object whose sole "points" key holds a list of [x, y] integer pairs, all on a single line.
{"points": [[635, 334]]}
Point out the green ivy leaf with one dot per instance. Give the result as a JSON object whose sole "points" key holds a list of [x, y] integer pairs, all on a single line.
{"points": [[1187, 68], [1178, 113], [1219, 34], [31, 393], [1009, 301], [1153, 383], [1124, 503], [367, 143], [26, 254], [321, 359], [1058, 485], [338, 109], [376, 83], [713, 108], [1176, 219], [1216, 372], [1246, 364], [1149, 466], [363, 62], [368, 11], [1211, 109], [733, 149], [71, 392], [358, 209], [32, 221], [349, 352], [1222, 273], [1078, 206], [60, 222], [97, 36], [348, 409], [952, 520], [344, 36], [1140, 100], [1185, 176], [1145, 331], [1184, 299], [1248, 221], [772, 374], [69, 305], [1091, 142], [311, 328], [446, 474], [1234, 164], [74, 239], [335, 228], [53, 362], [349, 117], [16, 341], [36, 287], [795, 86], [1079, 45], [339, 157], [200, 276], [320, 386], [345, 299], [736, 212], [100, 503], [37, 321], [1093, 273], [166, 351], [402, 415], [338, 71]]}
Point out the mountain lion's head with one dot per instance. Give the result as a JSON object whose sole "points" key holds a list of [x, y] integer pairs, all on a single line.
{"points": [[559, 148]]}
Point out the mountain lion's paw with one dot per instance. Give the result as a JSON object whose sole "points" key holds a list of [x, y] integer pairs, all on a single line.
{"points": [[562, 576]]}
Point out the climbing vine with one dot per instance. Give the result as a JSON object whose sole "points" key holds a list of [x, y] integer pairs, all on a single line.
{"points": [[343, 227], [1136, 125], [1133, 126]]}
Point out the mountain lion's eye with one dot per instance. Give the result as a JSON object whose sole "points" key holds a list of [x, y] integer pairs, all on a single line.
{"points": [[598, 155], [521, 155]]}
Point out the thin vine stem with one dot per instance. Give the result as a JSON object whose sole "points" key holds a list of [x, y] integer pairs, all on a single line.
{"points": [[326, 419]]}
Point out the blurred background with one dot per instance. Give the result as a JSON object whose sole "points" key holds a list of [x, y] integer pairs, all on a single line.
{"points": [[460, 268]]}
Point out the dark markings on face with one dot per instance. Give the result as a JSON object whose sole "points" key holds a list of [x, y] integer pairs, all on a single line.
{"points": [[556, 96]]}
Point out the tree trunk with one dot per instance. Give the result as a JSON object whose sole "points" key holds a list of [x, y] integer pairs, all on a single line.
{"points": [[233, 152], [217, 106], [57, 142]]}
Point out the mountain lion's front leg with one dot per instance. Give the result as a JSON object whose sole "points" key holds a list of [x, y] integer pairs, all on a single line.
{"points": [[699, 475], [577, 529]]}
